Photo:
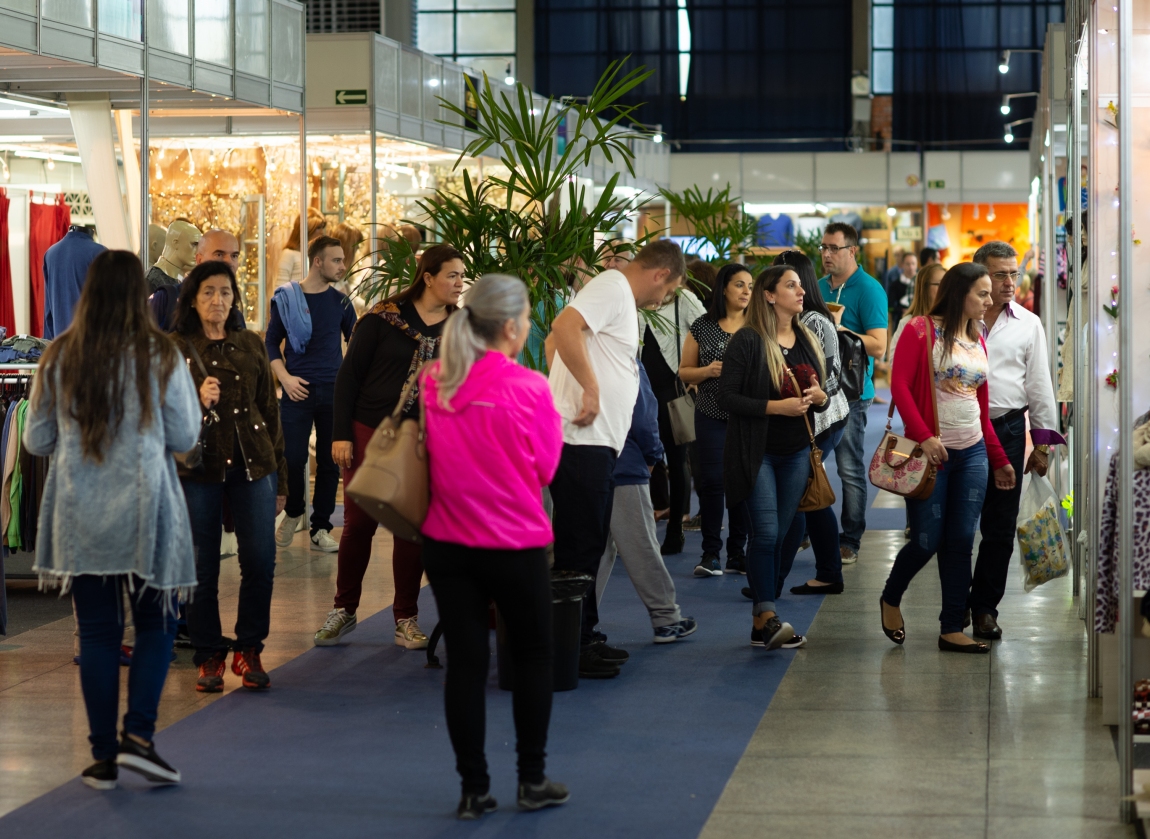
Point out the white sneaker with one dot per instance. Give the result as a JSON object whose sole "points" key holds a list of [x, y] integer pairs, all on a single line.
{"points": [[285, 533], [322, 541], [409, 635]]}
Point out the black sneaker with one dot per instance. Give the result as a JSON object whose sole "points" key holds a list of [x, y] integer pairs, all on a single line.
{"points": [[101, 775], [793, 644], [709, 566], [546, 794], [614, 655], [672, 544], [776, 633], [593, 666], [747, 593], [472, 807], [737, 564], [144, 760]]}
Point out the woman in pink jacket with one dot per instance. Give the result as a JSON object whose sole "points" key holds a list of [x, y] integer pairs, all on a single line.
{"points": [[493, 439], [965, 450]]}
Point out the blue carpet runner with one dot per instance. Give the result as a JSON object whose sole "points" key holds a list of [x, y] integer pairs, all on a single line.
{"points": [[350, 741]]}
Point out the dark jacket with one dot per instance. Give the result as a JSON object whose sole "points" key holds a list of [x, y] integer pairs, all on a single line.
{"points": [[744, 390], [247, 406], [643, 448]]}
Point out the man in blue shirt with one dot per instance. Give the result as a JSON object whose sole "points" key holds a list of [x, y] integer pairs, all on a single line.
{"points": [[310, 319], [863, 312]]}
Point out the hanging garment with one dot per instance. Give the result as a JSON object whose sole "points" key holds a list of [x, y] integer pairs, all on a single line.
{"points": [[47, 225], [65, 270], [1106, 608], [7, 307], [9, 466], [16, 493], [776, 231]]}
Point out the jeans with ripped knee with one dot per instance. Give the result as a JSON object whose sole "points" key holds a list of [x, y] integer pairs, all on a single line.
{"points": [[944, 524]]}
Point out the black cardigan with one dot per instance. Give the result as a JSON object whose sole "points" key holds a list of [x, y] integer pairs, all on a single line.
{"points": [[744, 390]]}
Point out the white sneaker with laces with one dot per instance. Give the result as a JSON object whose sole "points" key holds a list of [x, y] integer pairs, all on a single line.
{"points": [[285, 533], [409, 635], [322, 541]]}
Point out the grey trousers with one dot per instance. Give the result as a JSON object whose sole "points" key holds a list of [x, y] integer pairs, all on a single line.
{"points": [[633, 538]]}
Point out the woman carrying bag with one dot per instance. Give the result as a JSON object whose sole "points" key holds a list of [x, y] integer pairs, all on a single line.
{"points": [[942, 359], [493, 442], [390, 343], [112, 402], [770, 382]]}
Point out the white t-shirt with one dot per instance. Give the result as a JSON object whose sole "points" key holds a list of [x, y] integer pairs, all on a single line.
{"points": [[608, 306]]}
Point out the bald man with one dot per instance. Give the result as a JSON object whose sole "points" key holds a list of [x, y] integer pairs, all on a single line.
{"points": [[219, 245]]}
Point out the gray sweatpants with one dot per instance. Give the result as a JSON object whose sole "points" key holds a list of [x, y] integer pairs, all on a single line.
{"points": [[633, 538]]}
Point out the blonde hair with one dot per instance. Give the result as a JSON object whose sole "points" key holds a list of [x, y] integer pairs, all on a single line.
{"points": [[921, 305], [473, 328], [761, 317]]}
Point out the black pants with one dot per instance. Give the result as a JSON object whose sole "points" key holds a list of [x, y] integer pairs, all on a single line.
{"points": [[464, 581], [999, 515], [582, 492]]}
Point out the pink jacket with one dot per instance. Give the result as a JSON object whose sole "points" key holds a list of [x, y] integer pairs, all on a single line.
{"points": [[491, 456]]}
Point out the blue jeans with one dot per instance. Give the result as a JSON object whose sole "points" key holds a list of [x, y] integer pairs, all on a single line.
{"points": [[779, 487], [297, 419], [852, 463], [823, 528], [100, 615], [253, 506], [710, 436], [944, 524]]}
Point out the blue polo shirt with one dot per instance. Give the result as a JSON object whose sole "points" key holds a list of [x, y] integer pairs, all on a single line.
{"points": [[866, 309]]}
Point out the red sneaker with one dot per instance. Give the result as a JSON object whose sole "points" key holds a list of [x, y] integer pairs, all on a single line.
{"points": [[246, 664], [211, 678]]}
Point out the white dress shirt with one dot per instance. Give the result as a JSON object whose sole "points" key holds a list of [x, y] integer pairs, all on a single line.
{"points": [[1020, 372]]}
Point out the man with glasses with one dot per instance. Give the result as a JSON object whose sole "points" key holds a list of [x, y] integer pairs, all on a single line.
{"points": [[1019, 383], [860, 305]]}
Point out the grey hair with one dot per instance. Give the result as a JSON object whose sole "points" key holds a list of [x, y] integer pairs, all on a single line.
{"points": [[994, 250], [473, 328]]}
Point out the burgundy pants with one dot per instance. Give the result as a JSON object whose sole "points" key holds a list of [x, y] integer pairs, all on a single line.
{"points": [[355, 549]]}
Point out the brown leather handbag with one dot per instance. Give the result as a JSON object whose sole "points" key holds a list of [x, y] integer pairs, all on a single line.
{"points": [[393, 486], [819, 494]]}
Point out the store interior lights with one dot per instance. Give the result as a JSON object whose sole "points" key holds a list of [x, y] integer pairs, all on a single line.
{"points": [[159, 171], [892, 211], [509, 79], [945, 213], [990, 214], [50, 164], [1004, 63], [21, 152], [433, 82]]}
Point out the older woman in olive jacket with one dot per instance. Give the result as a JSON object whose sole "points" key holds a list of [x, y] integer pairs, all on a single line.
{"points": [[243, 459]]}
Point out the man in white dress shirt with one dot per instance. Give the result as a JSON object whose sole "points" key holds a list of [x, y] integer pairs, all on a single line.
{"points": [[1019, 382]]}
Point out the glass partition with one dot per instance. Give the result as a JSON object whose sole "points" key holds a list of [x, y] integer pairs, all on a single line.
{"points": [[252, 37], [287, 35], [122, 18], [74, 12], [169, 28], [214, 31]]}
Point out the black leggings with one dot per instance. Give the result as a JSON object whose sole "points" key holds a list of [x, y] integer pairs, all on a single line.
{"points": [[464, 581]]}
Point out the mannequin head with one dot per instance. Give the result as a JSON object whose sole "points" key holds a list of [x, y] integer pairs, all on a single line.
{"points": [[180, 247], [156, 237]]}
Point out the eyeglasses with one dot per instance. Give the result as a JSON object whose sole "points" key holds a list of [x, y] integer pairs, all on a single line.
{"points": [[1003, 276], [834, 248]]}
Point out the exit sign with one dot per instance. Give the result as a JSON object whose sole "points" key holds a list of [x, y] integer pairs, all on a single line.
{"points": [[936, 184], [351, 97]]}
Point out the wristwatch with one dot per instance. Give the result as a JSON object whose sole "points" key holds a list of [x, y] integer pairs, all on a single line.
{"points": [[1043, 447]]}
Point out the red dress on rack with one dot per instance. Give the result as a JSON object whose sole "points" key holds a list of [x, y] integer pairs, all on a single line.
{"points": [[47, 225], [7, 307]]}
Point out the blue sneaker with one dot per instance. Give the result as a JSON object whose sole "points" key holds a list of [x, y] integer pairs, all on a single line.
{"points": [[674, 631]]}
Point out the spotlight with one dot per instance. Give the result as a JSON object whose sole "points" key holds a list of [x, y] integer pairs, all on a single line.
{"points": [[51, 164], [891, 211], [1004, 62], [159, 172], [658, 138], [433, 82], [1008, 136], [508, 78], [1005, 107]]}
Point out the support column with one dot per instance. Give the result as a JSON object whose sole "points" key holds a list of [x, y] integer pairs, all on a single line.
{"points": [[91, 116]]}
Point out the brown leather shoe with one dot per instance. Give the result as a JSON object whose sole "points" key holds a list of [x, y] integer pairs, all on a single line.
{"points": [[985, 626]]}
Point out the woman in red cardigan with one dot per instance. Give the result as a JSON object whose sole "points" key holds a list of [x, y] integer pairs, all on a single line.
{"points": [[944, 523]]}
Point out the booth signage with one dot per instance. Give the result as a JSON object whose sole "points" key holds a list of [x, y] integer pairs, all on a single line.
{"points": [[936, 184], [351, 97], [907, 234]]}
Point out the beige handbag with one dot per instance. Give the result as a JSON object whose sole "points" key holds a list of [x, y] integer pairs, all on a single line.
{"points": [[819, 494], [392, 485], [681, 409]]}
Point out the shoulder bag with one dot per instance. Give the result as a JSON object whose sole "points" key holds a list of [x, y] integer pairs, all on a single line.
{"points": [[393, 485], [899, 464], [819, 494], [191, 462], [681, 409]]}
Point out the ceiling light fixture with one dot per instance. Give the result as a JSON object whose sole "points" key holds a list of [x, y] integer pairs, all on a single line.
{"points": [[508, 78], [50, 164], [892, 211]]}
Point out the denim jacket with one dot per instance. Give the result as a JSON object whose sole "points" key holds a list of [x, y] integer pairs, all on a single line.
{"points": [[126, 514]]}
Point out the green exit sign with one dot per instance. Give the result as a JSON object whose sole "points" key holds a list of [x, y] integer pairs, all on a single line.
{"points": [[351, 97], [936, 184]]}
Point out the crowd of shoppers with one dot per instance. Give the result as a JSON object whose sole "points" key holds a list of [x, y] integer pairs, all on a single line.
{"points": [[195, 421]]}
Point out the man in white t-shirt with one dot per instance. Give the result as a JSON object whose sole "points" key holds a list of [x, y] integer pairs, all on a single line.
{"points": [[593, 352]]}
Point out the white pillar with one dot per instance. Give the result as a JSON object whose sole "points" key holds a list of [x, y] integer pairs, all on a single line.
{"points": [[92, 126]]}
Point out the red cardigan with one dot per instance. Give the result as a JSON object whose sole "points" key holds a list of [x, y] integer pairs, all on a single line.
{"points": [[910, 390]]}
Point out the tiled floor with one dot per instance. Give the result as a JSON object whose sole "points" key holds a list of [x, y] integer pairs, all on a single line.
{"points": [[43, 727], [864, 738]]}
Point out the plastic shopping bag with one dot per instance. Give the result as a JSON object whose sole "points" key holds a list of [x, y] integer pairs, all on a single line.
{"points": [[1041, 542]]}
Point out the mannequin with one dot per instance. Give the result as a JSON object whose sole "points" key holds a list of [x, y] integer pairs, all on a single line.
{"points": [[156, 237], [178, 257], [65, 271]]}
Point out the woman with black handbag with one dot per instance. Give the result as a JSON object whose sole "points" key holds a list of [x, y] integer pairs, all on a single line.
{"points": [[770, 381], [242, 460]]}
